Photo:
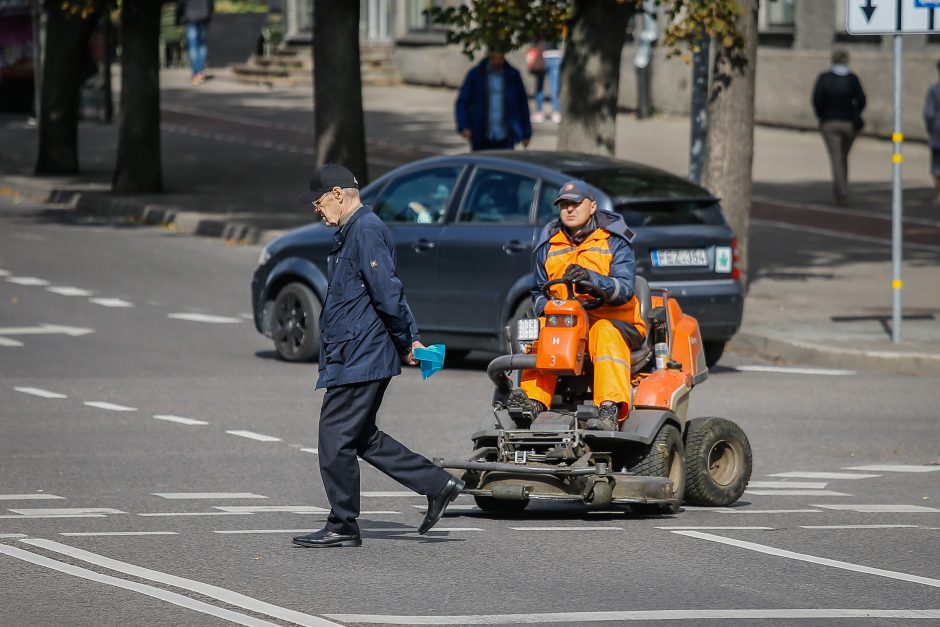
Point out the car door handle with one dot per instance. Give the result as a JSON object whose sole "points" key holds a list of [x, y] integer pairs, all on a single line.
{"points": [[422, 245], [513, 247]]}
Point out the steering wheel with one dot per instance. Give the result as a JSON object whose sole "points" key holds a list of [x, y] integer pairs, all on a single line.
{"points": [[597, 299]]}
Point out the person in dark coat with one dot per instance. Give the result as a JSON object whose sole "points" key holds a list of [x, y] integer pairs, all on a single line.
{"points": [[492, 107], [932, 122], [196, 14], [366, 332], [838, 99]]}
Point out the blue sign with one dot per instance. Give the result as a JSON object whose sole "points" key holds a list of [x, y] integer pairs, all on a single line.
{"points": [[927, 4]]}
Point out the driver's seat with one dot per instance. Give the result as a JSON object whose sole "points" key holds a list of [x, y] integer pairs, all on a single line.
{"points": [[642, 355]]}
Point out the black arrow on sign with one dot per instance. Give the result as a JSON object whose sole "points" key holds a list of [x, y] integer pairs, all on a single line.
{"points": [[868, 9]]}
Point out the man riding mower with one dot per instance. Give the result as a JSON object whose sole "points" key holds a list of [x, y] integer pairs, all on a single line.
{"points": [[597, 419]]}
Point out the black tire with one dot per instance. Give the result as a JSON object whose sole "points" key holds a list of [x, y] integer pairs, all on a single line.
{"points": [[489, 504], [714, 349], [718, 462], [522, 309], [664, 458], [295, 323]]}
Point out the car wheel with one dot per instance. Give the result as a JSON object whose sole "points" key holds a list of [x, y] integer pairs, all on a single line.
{"points": [[489, 504], [713, 351], [295, 323], [663, 459], [718, 462], [522, 310]]}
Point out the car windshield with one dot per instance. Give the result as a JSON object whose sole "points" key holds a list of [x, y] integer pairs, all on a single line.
{"points": [[653, 198]]}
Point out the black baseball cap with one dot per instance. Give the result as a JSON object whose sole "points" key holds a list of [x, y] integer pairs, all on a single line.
{"points": [[325, 178], [574, 190]]}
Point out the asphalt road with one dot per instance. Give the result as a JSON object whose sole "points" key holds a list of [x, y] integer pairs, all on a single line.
{"points": [[155, 460]]}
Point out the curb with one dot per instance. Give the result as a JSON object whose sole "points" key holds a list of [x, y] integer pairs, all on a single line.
{"points": [[787, 350]]}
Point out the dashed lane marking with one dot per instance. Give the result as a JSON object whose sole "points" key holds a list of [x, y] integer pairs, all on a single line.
{"points": [[196, 514], [111, 302], [29, 281], [68, 291], [251, 435], [788, 485], [390, 494], [310, 450], [799, 474], [596, 528], [214, 592], [795, 370], [118, 533], [65, 511], [5, 341], [880, 509], [896, 468], [255, 509], [109, 406], [191, 422], [249, 531], [151, 591], [40, 393], [4, 273], [13, 536], [29, 497], [208, 495], [720, 528], [742, 510], [859, 526], [795, 493], [197, 317], [41, 516], [803, 557]]}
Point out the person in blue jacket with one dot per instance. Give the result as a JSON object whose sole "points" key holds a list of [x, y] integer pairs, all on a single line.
{"points": [[492, 108], [366, 332]]}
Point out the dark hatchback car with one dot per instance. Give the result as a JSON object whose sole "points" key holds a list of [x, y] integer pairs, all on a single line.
{"points": [[465, 227]]}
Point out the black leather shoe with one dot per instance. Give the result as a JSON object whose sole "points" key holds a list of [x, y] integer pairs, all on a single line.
{"points": [[325, 537], [439, 503]]}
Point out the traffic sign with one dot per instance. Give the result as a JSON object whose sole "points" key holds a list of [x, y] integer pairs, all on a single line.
{"points": [[891, 17]]}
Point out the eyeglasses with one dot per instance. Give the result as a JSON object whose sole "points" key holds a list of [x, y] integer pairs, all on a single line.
{"points": [[317, 202]]}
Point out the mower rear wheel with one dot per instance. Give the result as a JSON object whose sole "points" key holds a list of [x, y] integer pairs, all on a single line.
{"points": [[718, 462], [489, 504], [663, 459]]}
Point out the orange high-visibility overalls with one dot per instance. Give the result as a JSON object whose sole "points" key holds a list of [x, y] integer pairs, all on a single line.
{"points": [[607, 346]]}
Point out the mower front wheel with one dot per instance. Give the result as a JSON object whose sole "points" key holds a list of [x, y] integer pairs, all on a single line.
{"points": [[489, 504], [718, 462], [663, 459]]}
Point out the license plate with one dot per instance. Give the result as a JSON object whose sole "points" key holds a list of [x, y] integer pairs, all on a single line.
{"points": [[679, 257]]}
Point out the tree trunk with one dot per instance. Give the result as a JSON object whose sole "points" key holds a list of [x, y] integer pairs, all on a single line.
{"points": [[66, 46], [337, 86], [590, 76], [731, 129], [138, 168]]}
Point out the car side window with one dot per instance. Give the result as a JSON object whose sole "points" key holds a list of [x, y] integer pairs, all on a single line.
{"points": [[547, 209], [501, 197], [418, 197]]}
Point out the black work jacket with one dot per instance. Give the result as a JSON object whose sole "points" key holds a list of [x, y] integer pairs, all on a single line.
{"points": [[366, 325]]}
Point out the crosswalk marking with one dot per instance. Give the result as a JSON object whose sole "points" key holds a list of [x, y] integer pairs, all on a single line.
{"points": [[181, 420], [13, 536], [567, 528], [795, 493], [208, 495], [41, 393], [65, 511], [799, 474], [111, 302], [716, 528], [68, 291], [897, 468], [878, 509], [858, 526], [29, 497], [197, 317], [41, 516], [251, 435], [118, 533], [109, 406], [255, 509], [153, 514], [30, 281], [789, 485]]}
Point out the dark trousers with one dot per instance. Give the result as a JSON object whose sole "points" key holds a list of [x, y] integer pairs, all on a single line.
{"points": [[494, 144], [347, 428], [838, 136]]}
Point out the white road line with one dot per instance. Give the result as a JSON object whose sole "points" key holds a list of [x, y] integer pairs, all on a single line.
{"points": [[858, 526], [118, 533], [896, 468], [741, 510], [110, 302], [567, 528], [795, 370], [109, 406], [799, 474], [214, 592], [251, 435], [208, 495], [196, 514], [36, 516], [65, 511], [41, 393], [4, 273], [27, 280], [415, 531], [795, 493], [803, 557], [880, 509], [192, 422], [454, 509], [803, 229], [634, 615], [29, 497], [719, 528], [310, 450], [390, 494], [241, 531], [151, 591], [11, 536], [46, 329], [255, 509], [197, 317], [68, 291], [5, 341], [788, 485]]}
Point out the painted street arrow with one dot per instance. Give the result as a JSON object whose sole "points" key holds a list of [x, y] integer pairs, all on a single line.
{"points": [[868, 9], [42, 329]]}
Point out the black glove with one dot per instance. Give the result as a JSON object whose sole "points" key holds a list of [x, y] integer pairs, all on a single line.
{"points": [[574, 272]]}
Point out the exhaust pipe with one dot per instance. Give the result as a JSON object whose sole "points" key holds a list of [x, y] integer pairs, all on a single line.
{"points": [[499, 367]]}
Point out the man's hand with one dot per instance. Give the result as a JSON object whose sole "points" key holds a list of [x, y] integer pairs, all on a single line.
{"points": [[575, 273], [525, 142], [467, 133], [409, 357]]}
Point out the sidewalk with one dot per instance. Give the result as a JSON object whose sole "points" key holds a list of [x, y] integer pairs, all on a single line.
{"points": [[235, 157]]}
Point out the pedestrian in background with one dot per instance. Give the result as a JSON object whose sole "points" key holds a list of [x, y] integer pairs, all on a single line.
{"points": [[492, 107], [838, 99], [546, 59], [366, 332], [196, 14], [932, 121]]}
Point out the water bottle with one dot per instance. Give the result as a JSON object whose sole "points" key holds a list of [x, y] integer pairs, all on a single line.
{"points": [[661, 350]]}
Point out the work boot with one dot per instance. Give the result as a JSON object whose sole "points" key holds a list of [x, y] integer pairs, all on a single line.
{"points": [[522, 409], [606, 417]]}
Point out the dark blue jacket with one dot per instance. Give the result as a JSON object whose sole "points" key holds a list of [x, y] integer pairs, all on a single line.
{"points": [[366, 325], [473, 103]]}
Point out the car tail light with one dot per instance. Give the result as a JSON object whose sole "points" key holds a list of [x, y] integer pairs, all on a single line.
{"points": [[735, 260], [560, 321]]}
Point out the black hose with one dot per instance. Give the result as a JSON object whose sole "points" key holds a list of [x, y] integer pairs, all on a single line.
{"points": [[501, 365]]}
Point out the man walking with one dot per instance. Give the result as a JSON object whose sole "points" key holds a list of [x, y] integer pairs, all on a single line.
{"points": [[366, 331], [196, 14], [492, 108], [932, 121], [839, 100]]}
